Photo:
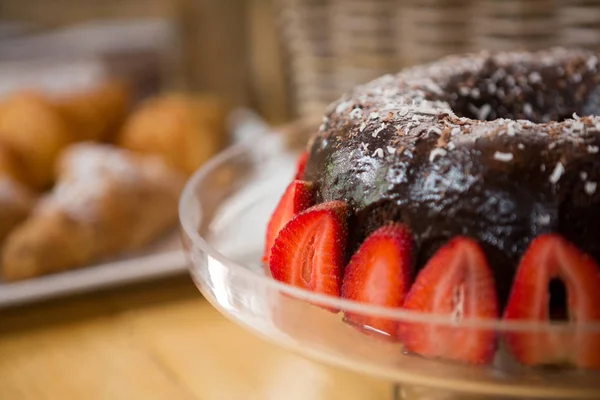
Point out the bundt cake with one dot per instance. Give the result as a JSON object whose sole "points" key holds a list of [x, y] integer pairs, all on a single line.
{"points": [[467, 187]]}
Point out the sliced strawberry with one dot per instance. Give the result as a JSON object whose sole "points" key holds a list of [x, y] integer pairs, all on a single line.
{"points": [[298, 196], [310, 250], [379, 273], [551, 257], [457, 282], [301, 164]]}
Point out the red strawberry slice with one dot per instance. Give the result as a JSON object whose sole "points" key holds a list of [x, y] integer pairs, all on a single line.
{"points": [[457, 282], [550, 257], [297, 197], [301, 164], [379, 273], [310, 250]]}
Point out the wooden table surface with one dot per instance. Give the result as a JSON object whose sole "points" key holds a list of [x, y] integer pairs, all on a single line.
{"points": [[158, 340]]}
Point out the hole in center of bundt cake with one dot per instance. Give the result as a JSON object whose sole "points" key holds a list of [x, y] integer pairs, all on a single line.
{"points": [[557, 307], [538, 94]]}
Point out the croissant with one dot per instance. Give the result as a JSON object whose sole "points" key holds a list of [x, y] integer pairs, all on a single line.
{"points": [[184, 130], [95, 114], [37, 127], [16, 200], [12, 166], [106, 201], [31, 127]]}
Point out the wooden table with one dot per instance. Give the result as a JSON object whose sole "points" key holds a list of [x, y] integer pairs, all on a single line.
{"points": [[160, 340]]}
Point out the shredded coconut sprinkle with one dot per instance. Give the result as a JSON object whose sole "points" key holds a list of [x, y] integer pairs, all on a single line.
{"points": [[484, 112], [510, 129], [343, 106], [378, 152], [543, 219], [356, 113], [435, 153], [535, 77], [376, 131], [593, 149], [434, 130], [504, 157], [391, 149], [559, 170], [590, 187]]}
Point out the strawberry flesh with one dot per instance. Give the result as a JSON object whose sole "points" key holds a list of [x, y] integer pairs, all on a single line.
{"points": [[549, 258], [301, 164], [310, 250], [379, 274], [298, 196], [457, 282]]}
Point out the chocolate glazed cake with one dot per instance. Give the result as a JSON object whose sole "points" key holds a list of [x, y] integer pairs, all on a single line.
{"points": [[500, 148], [466, 188]]}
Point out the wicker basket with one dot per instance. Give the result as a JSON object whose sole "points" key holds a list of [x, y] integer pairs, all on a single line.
{"points": [[335, 44]]}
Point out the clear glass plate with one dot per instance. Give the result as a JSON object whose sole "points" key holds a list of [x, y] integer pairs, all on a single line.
{"points": [[224, 211]]}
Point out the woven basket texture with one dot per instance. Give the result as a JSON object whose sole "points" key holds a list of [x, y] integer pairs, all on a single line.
{"points": [[332, 45]]}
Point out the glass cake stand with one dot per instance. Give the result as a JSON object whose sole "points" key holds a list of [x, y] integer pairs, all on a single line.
{"points": [[224, 211]]}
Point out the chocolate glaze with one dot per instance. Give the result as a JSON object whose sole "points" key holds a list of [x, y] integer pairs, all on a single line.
{"points": [[483, 145]]}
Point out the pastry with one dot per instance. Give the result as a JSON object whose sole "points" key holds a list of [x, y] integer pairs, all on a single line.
{"points": [[16, 202], [184, 130], [95, 114], [31, 127], [467, 188], [106, 201], [11, 166], [38, 126]]}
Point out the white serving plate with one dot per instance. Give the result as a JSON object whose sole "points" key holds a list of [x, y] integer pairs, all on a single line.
{"points": [[164, 259]]}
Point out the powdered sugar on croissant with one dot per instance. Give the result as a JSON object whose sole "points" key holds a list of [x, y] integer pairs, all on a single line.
{"points": [[107, 201], [89, 172]]}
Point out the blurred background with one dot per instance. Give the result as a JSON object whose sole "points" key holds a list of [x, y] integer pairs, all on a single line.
{"points": [[284, 58], [94, 227]]}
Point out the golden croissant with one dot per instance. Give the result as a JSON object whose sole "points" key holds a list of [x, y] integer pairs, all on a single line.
{"points": [[106, 201], [184, 130]]}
